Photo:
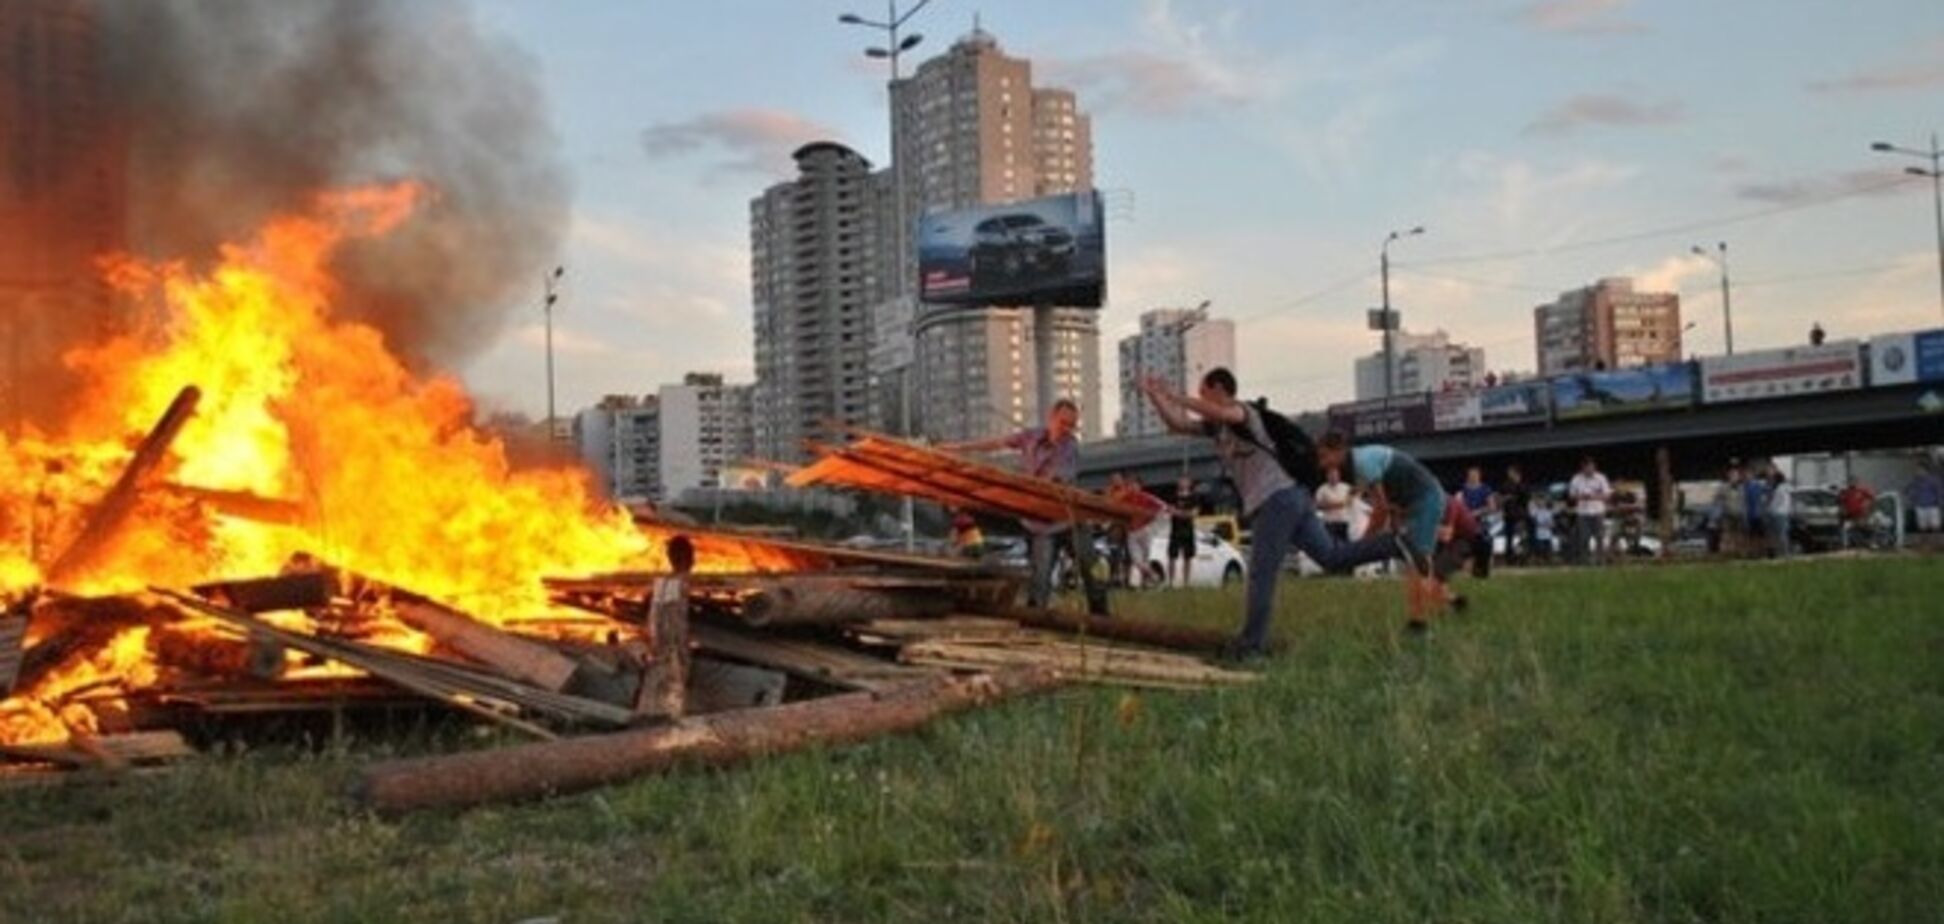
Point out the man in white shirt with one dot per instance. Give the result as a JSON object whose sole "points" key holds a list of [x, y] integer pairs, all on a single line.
{"points": [[1589, 492], [1333, 505]]}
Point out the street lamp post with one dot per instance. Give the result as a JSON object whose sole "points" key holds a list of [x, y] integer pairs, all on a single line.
{"points": [[893, 47], [548, 282], [1389, 322], [1936, 174], [1720, 259]]}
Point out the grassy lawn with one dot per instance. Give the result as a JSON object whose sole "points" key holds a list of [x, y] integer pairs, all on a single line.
{"points": [[1713, 743]]}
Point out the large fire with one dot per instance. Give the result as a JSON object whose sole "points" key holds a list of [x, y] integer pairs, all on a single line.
{"points": [[389, 475]]}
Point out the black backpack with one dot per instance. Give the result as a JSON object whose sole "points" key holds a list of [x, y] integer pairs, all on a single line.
{"points": [[1291, 445]]}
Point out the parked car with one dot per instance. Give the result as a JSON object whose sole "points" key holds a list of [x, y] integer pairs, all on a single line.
{"points": [[1004, 247], [1217, 562]]}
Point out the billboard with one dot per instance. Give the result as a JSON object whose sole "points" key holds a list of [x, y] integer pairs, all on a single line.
{"points": [[1904, 359], [1622, 391], [1401, 415], [1784, 373], [1049, 251], [1497, 406]]}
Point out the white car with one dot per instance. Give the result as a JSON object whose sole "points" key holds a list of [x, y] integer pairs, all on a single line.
{"points": [[1216, 562]]}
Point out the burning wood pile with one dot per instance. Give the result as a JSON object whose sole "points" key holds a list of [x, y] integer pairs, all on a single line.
{"points": [[256, 510]]}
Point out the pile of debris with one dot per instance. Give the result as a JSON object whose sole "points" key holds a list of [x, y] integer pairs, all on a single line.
{"points": [[630, 673]]}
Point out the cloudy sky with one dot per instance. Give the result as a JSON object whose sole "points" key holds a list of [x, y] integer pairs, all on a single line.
{"points": [[1256, 152]]}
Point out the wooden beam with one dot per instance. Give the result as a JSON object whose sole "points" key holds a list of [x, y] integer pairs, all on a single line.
{"points": [[536, 770], [1140, 632], [112, 511], [301, 590], [1103, 664], [719, 686], [815, 661], [13, 638]]}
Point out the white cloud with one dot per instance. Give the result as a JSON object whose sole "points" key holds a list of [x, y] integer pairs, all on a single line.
{"points": [[746, 141], [1605, 109], [1580, 17], [1922, 70]]}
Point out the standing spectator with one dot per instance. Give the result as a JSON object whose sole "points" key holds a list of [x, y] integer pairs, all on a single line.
{"points": [[1857, 503], [1051, 452], [1140, 533], [1333, 505], [1480, 501], [1589, 492], [1733, 500], [1781, 507], [1117, 536], [967, 539], [1755, 500], [1926, 496], [1543, 534], [1181, 531], [1515, 506]]}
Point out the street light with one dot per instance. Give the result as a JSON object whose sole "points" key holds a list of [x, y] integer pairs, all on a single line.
{"points": [[1390, 324], [547, 284], [1936, 174], [1727, 316], [892, 48]]}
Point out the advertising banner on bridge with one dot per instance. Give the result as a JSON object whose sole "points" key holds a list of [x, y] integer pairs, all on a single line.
{"points": [[1455, 410], [1401, 415], [1904, 359], [1518, 403], [1784, 373], [1622, 391]]}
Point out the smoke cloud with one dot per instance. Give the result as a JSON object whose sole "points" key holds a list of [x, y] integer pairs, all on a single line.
{"points": [[233, 111]]}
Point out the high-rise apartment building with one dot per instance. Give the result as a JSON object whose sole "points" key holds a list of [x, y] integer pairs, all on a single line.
{"points": [[969, 128], [1176, 345], [1421, 362], [815, 245], [1607, 325], [620, 440], [62, 192], [705, 427]]}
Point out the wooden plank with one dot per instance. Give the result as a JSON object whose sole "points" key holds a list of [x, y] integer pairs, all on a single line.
{"points": [[300, 590], [13, 639], [879, 463], [147, 747], [809, 660], [242, 505], [108, 515], [1094, 663], [518, 658]]}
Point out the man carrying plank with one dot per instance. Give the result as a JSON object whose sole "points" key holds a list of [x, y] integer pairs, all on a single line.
{"points": [[1051, 452]]}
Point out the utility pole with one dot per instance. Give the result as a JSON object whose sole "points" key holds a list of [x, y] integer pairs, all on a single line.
{"points": [[548, 282], [893, 47], [1390, 324], [1936, 174], [1720, 259]]}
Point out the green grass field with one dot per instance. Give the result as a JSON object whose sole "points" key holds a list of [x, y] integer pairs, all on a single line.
{"points": [[1710, 743]]}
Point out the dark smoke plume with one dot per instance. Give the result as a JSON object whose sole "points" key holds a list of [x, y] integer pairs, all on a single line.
{"points": [[235, 110]]}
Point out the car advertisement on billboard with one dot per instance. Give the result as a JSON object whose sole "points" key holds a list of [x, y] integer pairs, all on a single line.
{"points": [[1622, 391], [1049, 251], [1784, 373], [1905, 359], [1402, 415]]}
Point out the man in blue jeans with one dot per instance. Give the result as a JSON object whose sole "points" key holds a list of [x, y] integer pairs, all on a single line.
{"points": [[1278, 503]]}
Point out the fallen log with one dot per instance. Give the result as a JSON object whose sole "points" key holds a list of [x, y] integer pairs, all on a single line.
{"points": [[1104, 664], [552, 768], [1157, 634], [788, 602], [113, 509], [811, 660]]}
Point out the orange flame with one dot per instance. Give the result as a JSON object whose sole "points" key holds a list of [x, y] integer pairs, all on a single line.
{"points": [[300, 406]]}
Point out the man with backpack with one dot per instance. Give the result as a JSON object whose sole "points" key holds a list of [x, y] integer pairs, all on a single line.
{"points": [[1273, 464]]}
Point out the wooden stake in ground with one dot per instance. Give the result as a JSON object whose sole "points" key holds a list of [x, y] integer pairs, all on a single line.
{"points": [[549, 768], [664, 679], [112, 511]]}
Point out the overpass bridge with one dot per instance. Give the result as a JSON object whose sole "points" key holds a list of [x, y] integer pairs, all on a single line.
{"points": [[1697, 441]]}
